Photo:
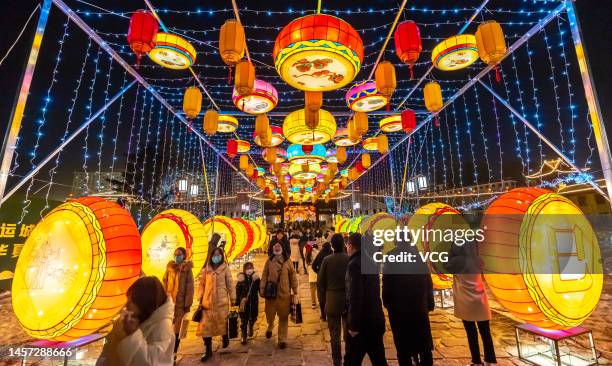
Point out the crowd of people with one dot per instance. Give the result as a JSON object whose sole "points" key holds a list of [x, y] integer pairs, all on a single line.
{"points": [[349, 300]]}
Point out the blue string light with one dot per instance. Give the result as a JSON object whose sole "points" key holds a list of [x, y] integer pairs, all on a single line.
{"points": [[103, 122], [118, 126]]}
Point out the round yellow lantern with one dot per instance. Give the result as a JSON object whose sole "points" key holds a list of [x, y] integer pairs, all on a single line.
{"points": [[370, 144], [75, 268], [211, 122], [231, 42], [172, 51], [243, 146], [541, 258], [455, 53], [297, 132], [227, 124], [192, 102], [228, 229], [167, 231], [379, 221], [391, 123], [297, 171]]}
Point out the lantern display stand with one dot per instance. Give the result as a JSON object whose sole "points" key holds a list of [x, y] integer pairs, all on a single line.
{"points": [[79, 348], [543, 347], [446, 298]]}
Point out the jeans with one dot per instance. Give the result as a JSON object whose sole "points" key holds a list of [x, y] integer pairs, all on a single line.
{"points": [[487, 341], [360, 345], [337, 330]]}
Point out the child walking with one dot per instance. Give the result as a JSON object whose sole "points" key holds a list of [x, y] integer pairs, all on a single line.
{"points": [[247, 299]]}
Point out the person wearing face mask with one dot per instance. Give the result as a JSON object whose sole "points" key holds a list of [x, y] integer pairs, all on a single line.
{"points": [[247, 299], [278, 281], [216, 293], [178, 283]]}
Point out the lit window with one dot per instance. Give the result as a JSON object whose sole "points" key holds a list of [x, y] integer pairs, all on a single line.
{"points": [[193, 190], [182, 185], [422, 181]]}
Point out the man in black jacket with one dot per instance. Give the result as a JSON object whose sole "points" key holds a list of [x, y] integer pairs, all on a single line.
{"points": [[366, 320]]}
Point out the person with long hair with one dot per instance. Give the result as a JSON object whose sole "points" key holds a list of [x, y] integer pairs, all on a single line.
{"points": [[278, 281], [247, 299], [216, 293], [143, 335], [310, 253]]}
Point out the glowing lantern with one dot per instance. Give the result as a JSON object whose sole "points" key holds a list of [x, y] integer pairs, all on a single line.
{"points": [[408, 120], [541, 258], [141, 33], [359, 167], [167, 231], [270, 154], [383, 144], [455, 53], [491, 44], [243, 162], [260, 182], [280, 155], [391, 123], [385, 78], [297, 132], [433, 99], [330, 156], [318, 52], [250, 237], [296, 171], [244, 79], [274, 137], [262, 123], [311, 118], [439, 217], [211, 122], [231, 42], [408, 43], [365, 97], [370, 144], [243, 146], [313, 100], [341, 154], [342, 139], [75, 268], [192, 102], [353, 174], [379, 221], [172, 51], [227, 124], [229, 231], [250, 170], [262, 98], [366, 160], [232, 148], [360, 120]]}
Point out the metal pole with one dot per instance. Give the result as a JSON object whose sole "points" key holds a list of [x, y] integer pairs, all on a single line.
{"points": [[384, 46], [392, 179], [9, 144], [541, 136], [599, 129], [66, 142]]}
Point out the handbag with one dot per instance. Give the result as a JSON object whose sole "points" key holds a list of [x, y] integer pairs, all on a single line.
{"points": [[296, 312], [232, 325], [271, 291], [197, 315]]}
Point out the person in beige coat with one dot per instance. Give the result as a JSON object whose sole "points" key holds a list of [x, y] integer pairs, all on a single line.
{"points": [[216, 292], [278, 273]]}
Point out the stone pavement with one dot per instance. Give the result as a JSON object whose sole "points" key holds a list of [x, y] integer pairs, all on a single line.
{"points": [[308, 343]]}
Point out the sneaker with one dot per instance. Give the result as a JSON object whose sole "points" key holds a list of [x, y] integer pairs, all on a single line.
{"points": [[243, 339], [206, 357], [282, 345], [268, 334]]}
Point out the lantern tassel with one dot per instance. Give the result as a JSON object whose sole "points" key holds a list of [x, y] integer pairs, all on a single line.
{"points": [[229, 75], [389, 106], [436, 121], [411, 67], [497, 74]]}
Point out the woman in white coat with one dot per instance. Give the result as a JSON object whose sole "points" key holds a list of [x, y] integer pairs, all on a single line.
{"points": [[294, 244], [144, 335]]}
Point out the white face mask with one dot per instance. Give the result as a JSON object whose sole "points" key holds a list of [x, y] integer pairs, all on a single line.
{"points": [[278, 251], [249, 271]]}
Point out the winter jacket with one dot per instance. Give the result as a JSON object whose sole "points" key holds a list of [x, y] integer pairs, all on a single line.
{"points": [[331, 283], [280, 270], [312, 275], [217, 293], [178, 283], [365, 313], [295, 249], [248, 287], [324, 252]]}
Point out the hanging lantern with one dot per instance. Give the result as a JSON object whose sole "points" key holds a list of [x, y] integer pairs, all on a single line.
{"points": [[244, 79], [385, 78], [244, 162], [353, 174], [391, 123], [227, 124], [273, 137], [141, 33], [262, 123], [366, 161], [243, 146], [311, 118], [542, 259], [332, 168], [341, 154], [297, 171], [455, 53], [280, 155], [408, 120], [296, 154], [383, 144], [75, 268], [232, 148], [353, 136], [318, 52], [211, 122], [313, 100], [491, 44], [297, 132], [270, 154], [231, 42], [433, 99], [192, 102], [260, 182], [370, 144], [172, 52], [276, 168], [261, 99], [360, 120], [365, 97], [250, 170], [307, 148], [341, 138], [359, 167], [408, 43], [330, 156]]}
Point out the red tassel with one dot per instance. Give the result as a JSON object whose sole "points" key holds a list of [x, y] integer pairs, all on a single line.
{"points": [[190, 126], [229, 75], [389, 107], [497, 74], [436, 121], [411, 67]]}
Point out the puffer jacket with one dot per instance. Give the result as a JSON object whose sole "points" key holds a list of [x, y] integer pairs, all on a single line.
{"points": [[178, 283], [217, 292]]}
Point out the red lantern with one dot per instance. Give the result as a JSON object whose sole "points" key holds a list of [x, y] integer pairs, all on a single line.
{"points": [[267, 190], [141, 33], [307, 149], [408, 43], [408, 120], [359, 167], [255, 174], [232, 148]]}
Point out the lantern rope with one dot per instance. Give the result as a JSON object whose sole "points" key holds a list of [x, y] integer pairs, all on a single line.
{"points": [[237, 15], [25, 25], [389, 34]]}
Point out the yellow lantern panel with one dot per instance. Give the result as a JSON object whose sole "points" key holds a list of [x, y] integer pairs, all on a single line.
{"points": [[297, 132], [391, 123], [227, 124], [296, 171], [455, 53], [172, 51], [243, 146], [341, 138], [370, 144]]}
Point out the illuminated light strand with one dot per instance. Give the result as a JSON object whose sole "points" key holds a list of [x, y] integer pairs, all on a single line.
{"points": [[137, 148], [482, 135], [468, 124], [162, 170], [458, 146], [570, 93], [103, 121], [554, 87], [536, 103], [131, 139], [450, 146], [498, 134], [430, 133], [118, 126], [442, 153], [144, 161], [519, 91], [89, 114], [589, 142], [517, 137], [153, 191]]}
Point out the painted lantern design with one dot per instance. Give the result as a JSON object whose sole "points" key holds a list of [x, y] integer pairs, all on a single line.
{"points": [[364, 97], [172, 51], [227, 124], [281, 154], [297, 171], [455, 53], [297, 131], [391, 123], [276, 139], [262, 99], [296, 155], [341, 138]]}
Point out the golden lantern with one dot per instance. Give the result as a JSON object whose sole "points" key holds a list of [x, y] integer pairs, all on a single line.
{"points": [[276, 167], [491, 42], [243, 146], [385, 78], [360, 121], [383, 144], [370, 144], [227, 124], [244, 80], [341, 154], [244, 162], [454, 53], [391, 123], [297, 132], [172, 51], [74, 269], [262, 125], [312, 118], [192, 102], [270, 154], [260, 182], [211, 122], [353, 135], [249, 239], [332, 167], [231, 42], [249, 170], [366, 161], [313, 100], [433, 96], [344, 181], [353, 174]]}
